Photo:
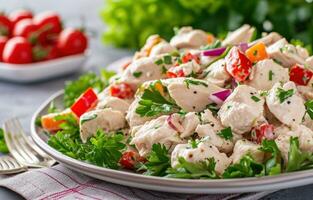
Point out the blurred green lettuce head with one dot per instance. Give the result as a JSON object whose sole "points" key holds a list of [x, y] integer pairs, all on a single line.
{"points": [[130, 22]]}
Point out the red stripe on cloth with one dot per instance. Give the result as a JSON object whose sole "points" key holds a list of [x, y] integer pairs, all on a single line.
{"points": [[69, 191], [89, 184]]}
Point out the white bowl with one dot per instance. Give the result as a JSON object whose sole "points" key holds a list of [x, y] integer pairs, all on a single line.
{"points": [[32, 72]]}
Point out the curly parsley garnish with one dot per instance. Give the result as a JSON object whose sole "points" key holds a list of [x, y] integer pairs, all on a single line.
{"points": [[153, 103], [137, 74]]}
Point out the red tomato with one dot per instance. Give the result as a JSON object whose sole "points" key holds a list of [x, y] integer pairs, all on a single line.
{"points": [[17, 50], [48, 52], [263, 131], [300, 75], [5, 26], [27, 29], [48, 22], [129, 159], [174, 74], [3, 41], [121, 90], [71, 42], [18, 15], [85, 102], [238, 65], [189, 57]]}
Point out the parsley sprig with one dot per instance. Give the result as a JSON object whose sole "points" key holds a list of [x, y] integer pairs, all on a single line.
{"points": [[190, 81], [273, 164], [153, 103], [309, 108]]}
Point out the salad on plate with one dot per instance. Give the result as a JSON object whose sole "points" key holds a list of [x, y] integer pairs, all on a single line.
{"points": [[196, 107]]}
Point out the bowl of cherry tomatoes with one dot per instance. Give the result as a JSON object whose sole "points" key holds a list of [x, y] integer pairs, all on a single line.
{"points": [[38, 47]]}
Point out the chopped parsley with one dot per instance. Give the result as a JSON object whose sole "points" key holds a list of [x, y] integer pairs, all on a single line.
{"points": [[273, 164], [189, 82], [86, 118], [270, 75], [159, 62], [214, 45], [194, 143], [213, 108], [167, 59], [255, 98], [137, 74], [309, 108], [255, 52], [284, 94], [226, 133], [164, 70], [263, 93]]}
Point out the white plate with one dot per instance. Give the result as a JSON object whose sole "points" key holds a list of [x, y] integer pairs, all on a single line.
{"points": [[166, 184], [32, 72]]}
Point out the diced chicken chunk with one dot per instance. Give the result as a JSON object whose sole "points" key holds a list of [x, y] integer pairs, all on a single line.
{"points": [[192, 94], [162, 48], [242, 109], [217, 74], [189, 38], [114, 103], [151, 42], [309, 61], [306, 90], [142, 70], [132, 117], [308, 122], [268, 39], [286, 54], [200, 153], [105, 119], [245, 147], [188, 68], [305, 137], [184, 125], [266, 73], [241, 35], [286, 104], [153, 132]]}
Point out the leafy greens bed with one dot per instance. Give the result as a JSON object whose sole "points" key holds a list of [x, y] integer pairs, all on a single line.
{"points": [[106, 150]]}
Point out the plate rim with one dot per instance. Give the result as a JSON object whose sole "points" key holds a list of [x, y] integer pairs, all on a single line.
{"points": [[252, 184]]}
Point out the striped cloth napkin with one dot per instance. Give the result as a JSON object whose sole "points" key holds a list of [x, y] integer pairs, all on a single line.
{"points": [[62, 183]]}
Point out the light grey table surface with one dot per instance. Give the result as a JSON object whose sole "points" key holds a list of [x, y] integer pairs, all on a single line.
{"points": [[21, 100]]}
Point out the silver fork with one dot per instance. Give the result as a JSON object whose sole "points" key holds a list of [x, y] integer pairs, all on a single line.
{"points": [[9, 165], [23, 149]]}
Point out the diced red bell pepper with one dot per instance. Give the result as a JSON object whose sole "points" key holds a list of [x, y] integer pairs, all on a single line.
{"points": [[174, 74], [300, 75], [122, 90], [85, 102], [238, 65], [130, 158], [189, 57], [263, 131]]}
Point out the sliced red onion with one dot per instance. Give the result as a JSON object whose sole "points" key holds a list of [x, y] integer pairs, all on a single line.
{"points": [[221, 96], [171, 124], [234, 83], [214, 52], [243, 47]]}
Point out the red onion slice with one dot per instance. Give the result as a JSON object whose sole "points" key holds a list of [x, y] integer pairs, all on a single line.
{"points": [[214, 52], [220, 96], [243, 47], [170, 123]]}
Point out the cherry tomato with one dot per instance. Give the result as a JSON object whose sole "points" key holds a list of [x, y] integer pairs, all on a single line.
{"points": [[48, 52], [17, 50], [238, 65], [300, 75], [85, 102], [18, 15], [189, 57], [121, 90], [129, 159], [72, 41], [171, 73], [263, 131], [49, 22], [3, 41], [27, 29], [5, 26]]}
